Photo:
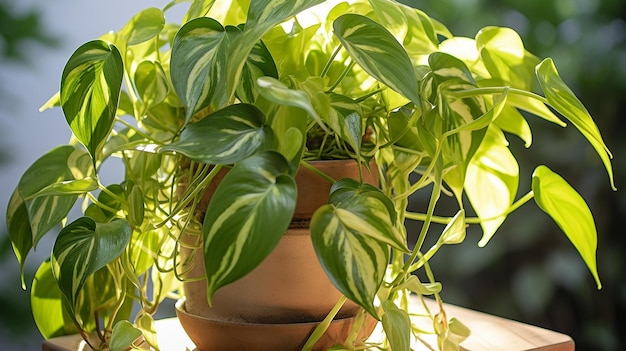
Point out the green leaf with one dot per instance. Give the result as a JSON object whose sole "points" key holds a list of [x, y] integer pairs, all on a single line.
{"points": [[502, 51], [570, 212], [151, 84], [454, 232], [90, 90], [67, 187], [265, 14], [144, 26], [198, 8], [355, 263], [262, 16], [123, 335], [199, 60], [225, 136], [33, 211], [259, 64], [46, 302], [397, 326], [562, 99], [491, 182], [384, 58], [82, 248], [351, 236], [277, 92], [415, 285], [411, 26], [248, 214]]}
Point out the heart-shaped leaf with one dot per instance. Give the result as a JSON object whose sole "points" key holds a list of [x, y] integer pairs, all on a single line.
{"points": [[351, 237], [198, 64], [570, 211], [248, 214], [82, 248], [90, 91], [45, 195]]}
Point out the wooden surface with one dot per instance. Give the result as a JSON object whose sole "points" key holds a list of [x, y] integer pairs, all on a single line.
{"points": [[489, 333]]}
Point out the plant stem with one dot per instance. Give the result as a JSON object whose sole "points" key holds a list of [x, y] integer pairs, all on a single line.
{"points": [[330, 60], [473, 220], [323, 326]]}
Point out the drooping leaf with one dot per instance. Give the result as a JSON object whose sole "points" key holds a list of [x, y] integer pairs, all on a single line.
{"points": [[355, 263], [33, 211], [352, 235], [46, 302], [82, 248], [570, 212], [415, 285], [246, 217], [397, 326], [384, 58], [562, 99], [224, 137], [90, 90], [491, 182]]}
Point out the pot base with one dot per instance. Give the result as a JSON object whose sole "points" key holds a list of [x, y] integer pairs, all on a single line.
{"points": [[213, 335]]}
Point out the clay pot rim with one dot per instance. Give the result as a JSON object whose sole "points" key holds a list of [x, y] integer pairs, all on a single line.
{"points": [[180, 308]]}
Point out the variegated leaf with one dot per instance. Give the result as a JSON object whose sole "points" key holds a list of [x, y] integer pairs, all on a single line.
{"points": [[248, 214], [199, 63], [562, 99], [354, 262], [43, 199], [224, 137], [82, 248], [265, 14], [570, 211], [384, 58], [353, 233], [259, 64], [90, 90]]}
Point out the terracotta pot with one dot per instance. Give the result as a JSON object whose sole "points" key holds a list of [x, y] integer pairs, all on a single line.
{"points": [[217, 335], [289, 286]]}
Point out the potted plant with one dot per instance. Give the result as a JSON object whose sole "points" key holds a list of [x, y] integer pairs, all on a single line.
{"points": [[242, 98]]}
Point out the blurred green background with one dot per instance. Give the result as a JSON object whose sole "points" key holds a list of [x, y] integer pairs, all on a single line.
{"points": [[529, 271]]}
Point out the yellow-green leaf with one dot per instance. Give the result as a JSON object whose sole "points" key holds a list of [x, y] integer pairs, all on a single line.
{"points": [[570, 212], [562, 99]]}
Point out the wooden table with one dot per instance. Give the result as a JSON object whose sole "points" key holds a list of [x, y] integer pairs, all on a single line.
{"points": [[489, 333]]}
